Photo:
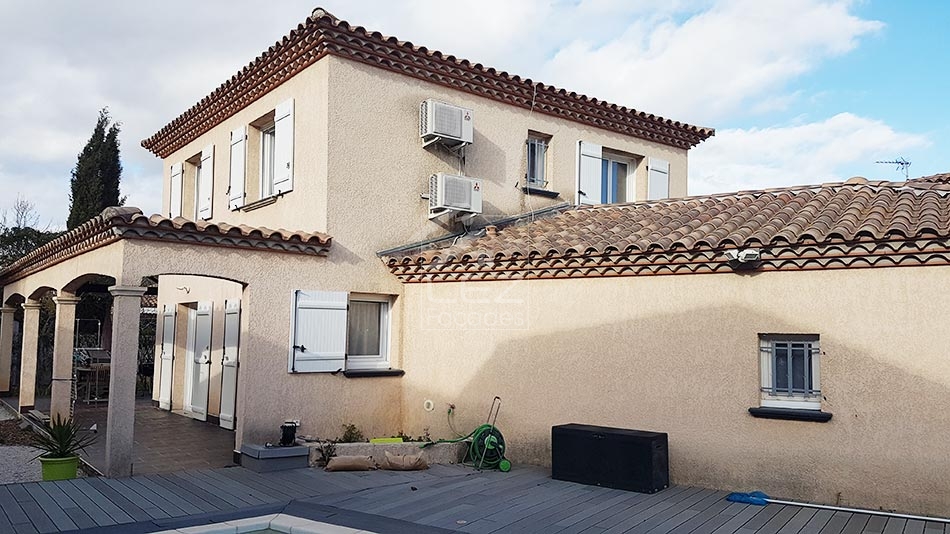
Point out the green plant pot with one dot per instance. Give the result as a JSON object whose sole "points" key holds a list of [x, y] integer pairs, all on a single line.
{"points": [[59, 468]]}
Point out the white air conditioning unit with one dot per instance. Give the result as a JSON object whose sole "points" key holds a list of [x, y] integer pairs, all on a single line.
{"points": [[448, 192], [444, 123]]}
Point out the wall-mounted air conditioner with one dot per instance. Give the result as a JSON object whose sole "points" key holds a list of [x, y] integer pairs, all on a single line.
{"points": [[444, 123], [448, 192]]}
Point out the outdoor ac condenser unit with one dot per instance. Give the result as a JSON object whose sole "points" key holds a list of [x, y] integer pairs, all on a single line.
{"points": [[446, 124], [448, 192]]}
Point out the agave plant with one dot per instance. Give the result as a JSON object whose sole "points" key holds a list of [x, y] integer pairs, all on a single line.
{"points": [[63, 439]]}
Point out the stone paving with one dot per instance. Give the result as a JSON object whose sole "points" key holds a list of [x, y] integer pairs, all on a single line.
{"points": [[164, 442]]}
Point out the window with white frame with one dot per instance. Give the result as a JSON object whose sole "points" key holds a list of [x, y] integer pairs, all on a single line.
{"points": [[790, 366], [267, 160], [537, 153], [261, 157], [335, 330], [605, 176], [367, 339]]}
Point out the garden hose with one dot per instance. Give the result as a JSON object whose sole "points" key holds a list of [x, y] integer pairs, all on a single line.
{"points": [[486, 451]]}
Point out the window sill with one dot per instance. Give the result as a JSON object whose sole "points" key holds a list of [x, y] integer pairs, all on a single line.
{"points": [[370, 373], [258, 204], [540, 192], [791, 414]]}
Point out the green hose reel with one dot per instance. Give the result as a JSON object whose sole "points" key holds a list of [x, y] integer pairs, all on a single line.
{"points": [[487, 447]]}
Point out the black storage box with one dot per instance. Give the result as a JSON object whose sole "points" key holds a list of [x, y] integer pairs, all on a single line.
{"points": [[613, 457]]}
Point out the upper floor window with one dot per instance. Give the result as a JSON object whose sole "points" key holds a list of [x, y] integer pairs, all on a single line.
{"points": [[790, 371], [537, 153], [605, 176], [262, 157], [191, 187], [615, 180], [268, 143]]}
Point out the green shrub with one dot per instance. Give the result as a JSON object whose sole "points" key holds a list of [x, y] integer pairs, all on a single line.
{"points": [[352, 434]]}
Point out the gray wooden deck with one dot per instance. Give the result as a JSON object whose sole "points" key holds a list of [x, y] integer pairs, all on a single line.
{"points": [[453, 498]]}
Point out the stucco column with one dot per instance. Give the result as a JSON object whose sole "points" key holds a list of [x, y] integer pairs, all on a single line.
{"points": [[6, 348], [63, 356], [126, 308], [31, 339]]}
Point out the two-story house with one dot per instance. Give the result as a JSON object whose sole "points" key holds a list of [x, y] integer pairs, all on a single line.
{"points": [[356, 229], [325, 133]]}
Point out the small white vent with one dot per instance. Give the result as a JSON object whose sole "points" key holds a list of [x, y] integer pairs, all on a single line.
{"points": [[444, 123], [448, 192]]}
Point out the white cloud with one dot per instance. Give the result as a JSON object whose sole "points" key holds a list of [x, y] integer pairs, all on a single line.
{"points": [[702, 61], [817, 152], [736, 55]]}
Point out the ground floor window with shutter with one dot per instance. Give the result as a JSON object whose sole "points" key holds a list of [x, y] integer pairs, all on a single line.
{"points": [[790, 365], [336, 330]]}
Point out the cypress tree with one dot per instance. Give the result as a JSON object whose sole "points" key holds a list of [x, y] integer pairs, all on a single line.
{"points": [[95, 179]]}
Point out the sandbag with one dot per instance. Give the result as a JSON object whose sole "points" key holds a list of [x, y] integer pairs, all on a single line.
{"points": [[403, 462], [351, 463]]}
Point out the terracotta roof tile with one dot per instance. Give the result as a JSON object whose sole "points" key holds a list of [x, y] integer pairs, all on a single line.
{"points": [[129, 223], [323, 34], [827, 221]]}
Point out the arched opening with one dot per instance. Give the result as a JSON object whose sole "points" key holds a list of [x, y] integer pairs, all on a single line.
{"points": [[13, 320], [45, 333]]}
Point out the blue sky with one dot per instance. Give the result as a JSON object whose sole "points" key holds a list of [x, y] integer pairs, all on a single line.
{"points": [[899, 75], [800, 91]]}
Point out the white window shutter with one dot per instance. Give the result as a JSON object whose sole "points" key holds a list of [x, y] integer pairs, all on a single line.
{"points": [[318, 341], [205, 186], [658, 179], [590, 173], [236, 176], [174, 202], [284, 147]]}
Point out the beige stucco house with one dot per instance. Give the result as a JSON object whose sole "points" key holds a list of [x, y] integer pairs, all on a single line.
{"points": [[448, 233]]}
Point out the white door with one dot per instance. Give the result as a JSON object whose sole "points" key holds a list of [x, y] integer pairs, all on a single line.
{"points": [[167, 358], [229, 364], [199, 362]]}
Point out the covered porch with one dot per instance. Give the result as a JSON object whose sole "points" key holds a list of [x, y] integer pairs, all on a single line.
{"points": [[201, 270], [158, 436]]}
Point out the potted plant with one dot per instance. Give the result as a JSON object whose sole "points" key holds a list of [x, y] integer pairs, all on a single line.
{"points": [[61, 445]]}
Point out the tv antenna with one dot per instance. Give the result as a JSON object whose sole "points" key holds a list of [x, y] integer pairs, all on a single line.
{"points": [[902, 165]]}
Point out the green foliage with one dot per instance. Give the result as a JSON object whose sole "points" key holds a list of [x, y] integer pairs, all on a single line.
{"points": [[65, 439], [16, 242], [352, 434], [326, 452], [95, 179], [425, 437]]}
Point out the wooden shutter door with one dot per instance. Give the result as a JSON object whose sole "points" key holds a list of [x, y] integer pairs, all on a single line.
{"points": [[174, 188], [167, 358], [319, 332], [236, 174], [284, 147], [590, 174], [205, 184], [229, 364], [658, 179], [200, 364]]}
